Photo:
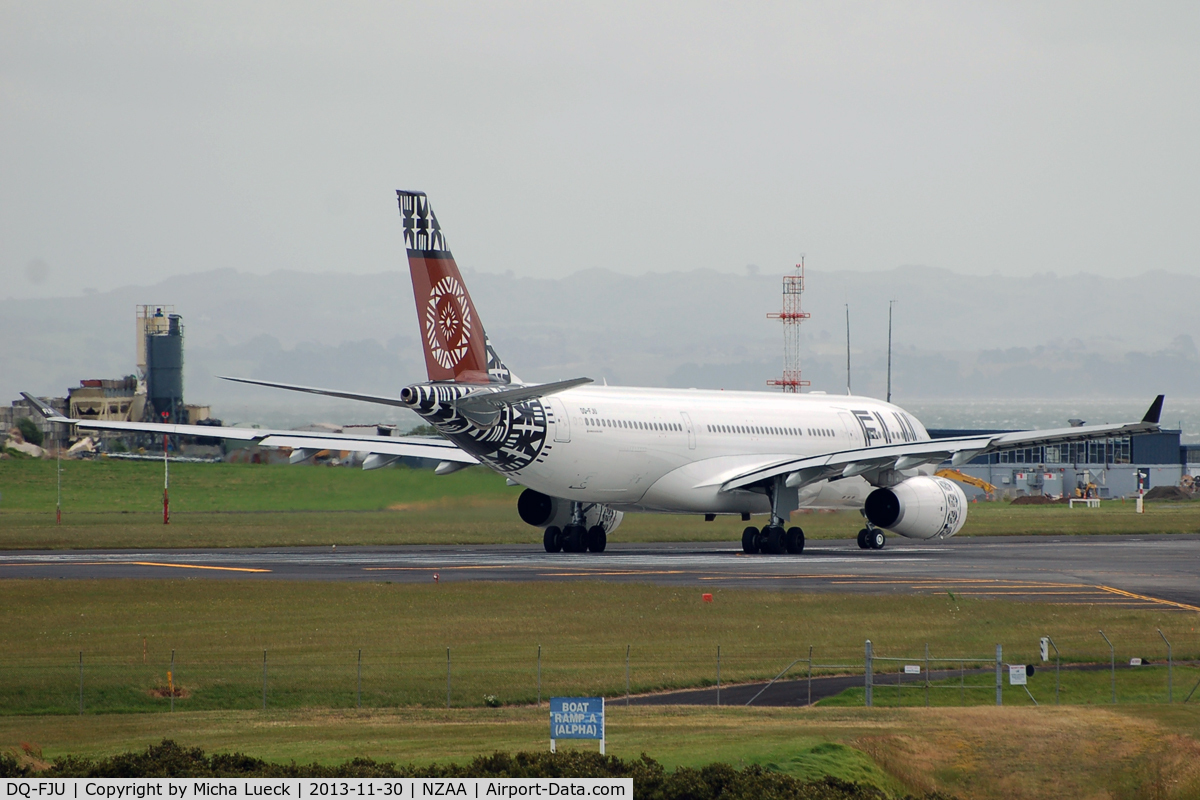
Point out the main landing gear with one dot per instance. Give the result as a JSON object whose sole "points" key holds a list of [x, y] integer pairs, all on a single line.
{"points": [[575, 538], [871, 538], [773, 539]]}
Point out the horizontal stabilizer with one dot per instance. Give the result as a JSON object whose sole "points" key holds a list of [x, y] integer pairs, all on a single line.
{"points": [[509, 397], [366, 398], [483, 408]]}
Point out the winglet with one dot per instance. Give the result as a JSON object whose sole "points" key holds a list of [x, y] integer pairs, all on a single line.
{"points": [[45, 410], [1155, 411]]}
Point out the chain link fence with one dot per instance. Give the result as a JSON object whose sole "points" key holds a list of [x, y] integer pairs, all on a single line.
{"points": [[1077, 669]]}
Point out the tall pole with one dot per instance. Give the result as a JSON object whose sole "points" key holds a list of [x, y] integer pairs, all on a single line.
{"points": [[999, 682], [166, 479], [627, 675], [58, 502], [889, 377], [848, 349], [1112, 654], [718, 675], [1170, 665]]}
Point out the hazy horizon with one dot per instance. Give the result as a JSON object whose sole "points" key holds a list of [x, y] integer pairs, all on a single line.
{"points": [[143, 141]]}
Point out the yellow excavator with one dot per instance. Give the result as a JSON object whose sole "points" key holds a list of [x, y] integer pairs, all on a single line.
{"points": [[970, 480]]}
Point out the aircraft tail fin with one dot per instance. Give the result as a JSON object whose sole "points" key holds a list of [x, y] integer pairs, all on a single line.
{"points": [[456, 346]]}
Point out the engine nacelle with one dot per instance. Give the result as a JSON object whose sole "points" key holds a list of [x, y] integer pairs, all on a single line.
{"points": [[919, 508], [542, 511]]}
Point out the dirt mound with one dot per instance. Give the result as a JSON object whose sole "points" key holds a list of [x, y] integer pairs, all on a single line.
{"points": [[1035, 500], [1167, 493]]}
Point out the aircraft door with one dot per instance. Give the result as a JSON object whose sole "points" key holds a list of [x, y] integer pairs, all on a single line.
{"points": [[561, 419], [854, 430], [691, 431]]}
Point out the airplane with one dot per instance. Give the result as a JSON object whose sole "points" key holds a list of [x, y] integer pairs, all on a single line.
{"points": [[587, 454]]}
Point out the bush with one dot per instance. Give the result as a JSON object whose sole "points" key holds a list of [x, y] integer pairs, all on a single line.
{"points": [[30, 431], [650, 779]]}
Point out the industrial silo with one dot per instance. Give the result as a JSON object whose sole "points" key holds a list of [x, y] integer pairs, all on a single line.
{"points": [[164, 370]]}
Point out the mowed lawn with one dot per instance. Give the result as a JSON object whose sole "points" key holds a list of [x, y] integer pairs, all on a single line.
{"points": [[1052, 752], [110, 503], [312, 633]]}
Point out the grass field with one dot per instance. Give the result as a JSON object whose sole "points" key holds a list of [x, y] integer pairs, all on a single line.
{"points": [[312, 633], [1130, 751], [109, 503]]}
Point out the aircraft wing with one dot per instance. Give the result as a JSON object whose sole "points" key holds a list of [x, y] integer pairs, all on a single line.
{"points": [[960, 450], [417, 446]]}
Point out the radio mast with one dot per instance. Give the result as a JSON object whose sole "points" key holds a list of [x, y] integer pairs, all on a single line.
{"points": [[791, 316]]}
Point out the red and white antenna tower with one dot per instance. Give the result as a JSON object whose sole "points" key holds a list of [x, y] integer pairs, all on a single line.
{"points": [[791, 315]]}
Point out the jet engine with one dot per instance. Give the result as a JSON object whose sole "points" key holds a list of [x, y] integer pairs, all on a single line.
{"points": [[919, 508], [542, 511]]}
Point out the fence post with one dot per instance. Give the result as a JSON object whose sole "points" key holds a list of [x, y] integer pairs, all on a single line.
{"points": [[867, 675], [264, 680], [1170, 665], [1057, 664], [718, 676], [447, 677], [1112, 654], [810, 674], [627, 676], [80, 681], [171, 681], [999, 680], [539, 676], [927, 674], [360, 677]]}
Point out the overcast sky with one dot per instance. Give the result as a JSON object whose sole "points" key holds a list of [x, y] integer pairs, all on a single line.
{"points": [[144, 140]]}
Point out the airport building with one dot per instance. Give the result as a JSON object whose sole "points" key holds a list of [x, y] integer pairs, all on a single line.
{"points": [[1112, 467]]}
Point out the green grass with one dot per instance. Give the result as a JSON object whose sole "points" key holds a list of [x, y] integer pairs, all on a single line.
{"points": [[108, 503], [313, 632], [1076, 687], [1066, 751], [111, 485]]}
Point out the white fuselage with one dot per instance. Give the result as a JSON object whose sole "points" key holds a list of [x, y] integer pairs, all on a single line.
{"points": [[670, 450]]}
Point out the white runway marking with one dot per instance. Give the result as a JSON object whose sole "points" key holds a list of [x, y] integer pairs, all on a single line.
{"points": [[721, 560]]}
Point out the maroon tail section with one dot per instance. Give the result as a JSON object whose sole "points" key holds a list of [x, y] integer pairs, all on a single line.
{"points": [[451, 331]]}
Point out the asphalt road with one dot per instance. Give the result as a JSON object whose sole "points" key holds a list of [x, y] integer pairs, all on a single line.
{"points": [[1136, 571]]}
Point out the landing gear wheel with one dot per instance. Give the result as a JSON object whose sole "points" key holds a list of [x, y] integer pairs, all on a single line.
{"points": [[877, 539], [863, 542], [795, 541], [750, 541], [574, 539], [775, 540], [552, 539], [597, 539]]}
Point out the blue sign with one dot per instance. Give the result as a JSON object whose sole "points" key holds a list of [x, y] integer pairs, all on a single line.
{"points": [[577, 718]]}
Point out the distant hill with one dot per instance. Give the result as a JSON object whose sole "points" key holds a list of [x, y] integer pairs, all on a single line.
{"points": [[955, 335]]}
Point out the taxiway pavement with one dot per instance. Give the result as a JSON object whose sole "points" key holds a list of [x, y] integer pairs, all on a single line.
{"points": [[1137, 571]]}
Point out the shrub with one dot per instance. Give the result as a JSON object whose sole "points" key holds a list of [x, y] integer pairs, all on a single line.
{"points": [[650, 779], [30, 430]]}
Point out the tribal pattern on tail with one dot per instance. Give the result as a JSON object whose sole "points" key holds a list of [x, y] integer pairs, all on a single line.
{"points": [[508, 446]]}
